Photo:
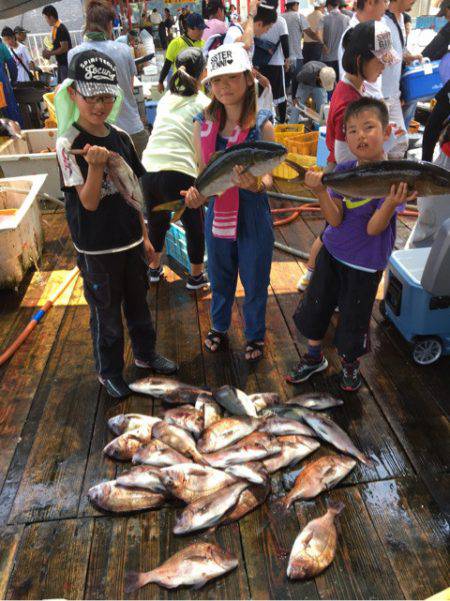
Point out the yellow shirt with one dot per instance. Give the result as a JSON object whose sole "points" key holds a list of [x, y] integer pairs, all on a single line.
{"points": [[178, 45]]}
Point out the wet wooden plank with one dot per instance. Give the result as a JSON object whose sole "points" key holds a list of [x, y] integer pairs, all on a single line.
{"points": [[53, 477], [361, 569], [9, 543], [52, 561], [414, 534], [139, 543]]}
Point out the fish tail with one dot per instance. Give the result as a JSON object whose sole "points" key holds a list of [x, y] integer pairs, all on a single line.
{"points": [[135, 580], [284, 503], [335, 507], [296, 167]]}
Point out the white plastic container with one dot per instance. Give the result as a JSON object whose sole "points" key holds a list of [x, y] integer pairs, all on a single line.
{"points": [[21, 236], [25, 157]]}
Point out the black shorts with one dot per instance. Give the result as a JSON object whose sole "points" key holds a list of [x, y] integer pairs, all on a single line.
{"points": [[353, 291]]}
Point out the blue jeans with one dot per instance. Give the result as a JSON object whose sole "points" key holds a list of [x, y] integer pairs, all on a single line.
{"points": [[304, 91], [250, 256]]}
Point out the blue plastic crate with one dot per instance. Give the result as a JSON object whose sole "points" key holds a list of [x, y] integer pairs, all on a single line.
{"points": [[176, 246]]}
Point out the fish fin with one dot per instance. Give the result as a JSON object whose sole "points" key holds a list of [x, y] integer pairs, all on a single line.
{"points": [[367, 461], [308, 538], [215, 155], [335, 507], [296, 167], [135, 580]]}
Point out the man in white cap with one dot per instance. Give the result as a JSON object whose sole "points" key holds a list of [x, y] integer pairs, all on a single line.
{"points": [[312, 50], [315, 79]]}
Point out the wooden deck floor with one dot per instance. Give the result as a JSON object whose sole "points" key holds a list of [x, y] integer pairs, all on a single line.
{"points": [[394, 529]]}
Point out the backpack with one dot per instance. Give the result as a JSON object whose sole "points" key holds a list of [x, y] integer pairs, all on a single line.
{"points": [[264, 51]]}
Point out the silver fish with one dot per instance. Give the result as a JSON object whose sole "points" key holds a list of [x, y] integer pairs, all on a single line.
{"points": [[142, 476], [193, 566], [254, 472], [125, 180], [257, 158], [207, 511], [186, 417], [226, 432], [171, 391], [280, 426], [315, 401], [293, 449], [112, 497], [158, 454], [243, 453], [262, 400], [124, 446], [318, 476], [178, 439], [125, 422], [315, 546], [234, 400], [328, 430], [190, 481]]}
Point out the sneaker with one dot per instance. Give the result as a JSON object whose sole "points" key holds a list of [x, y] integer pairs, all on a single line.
{"points": [[195, 282], [158, 364], [305, 369], [154, 275], [115, 386], [350, 378], [303, 282]]}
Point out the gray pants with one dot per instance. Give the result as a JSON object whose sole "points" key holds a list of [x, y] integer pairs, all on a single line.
{"points": [[140, 141]]}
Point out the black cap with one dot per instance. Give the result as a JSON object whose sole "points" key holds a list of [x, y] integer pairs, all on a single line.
{"points": [[443, 7], [268, 4], [192, 60], [195, 21], [7, 32], [94, 73], [19, 29]]}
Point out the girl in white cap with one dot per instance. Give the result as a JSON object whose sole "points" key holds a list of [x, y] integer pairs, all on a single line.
{"points": [[238, 228]]}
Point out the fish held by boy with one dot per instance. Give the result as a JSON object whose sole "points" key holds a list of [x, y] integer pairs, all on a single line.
{"points": [[193, 566], [315, 546], [112, 497], [123, 178], [318, 476], [375, 180], [329, 431]]}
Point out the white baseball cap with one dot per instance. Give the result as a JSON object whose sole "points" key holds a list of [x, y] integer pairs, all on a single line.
{"points": [[327, 76], [227, 59]]}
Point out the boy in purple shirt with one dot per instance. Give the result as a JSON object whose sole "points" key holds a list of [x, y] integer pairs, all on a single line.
{"points": [[356, 247]]}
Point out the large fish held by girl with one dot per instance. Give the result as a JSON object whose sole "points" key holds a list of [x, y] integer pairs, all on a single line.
{"points": [[257, 158]]}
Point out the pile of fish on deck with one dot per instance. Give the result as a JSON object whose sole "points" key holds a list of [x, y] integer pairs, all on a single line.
{"points": [[220, 467]]}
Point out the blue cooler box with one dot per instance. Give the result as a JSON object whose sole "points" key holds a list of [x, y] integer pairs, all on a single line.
{"points": [[421, 81]]}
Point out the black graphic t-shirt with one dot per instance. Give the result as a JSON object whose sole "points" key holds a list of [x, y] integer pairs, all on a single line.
{"points": [[115, 224], [62, 35]]}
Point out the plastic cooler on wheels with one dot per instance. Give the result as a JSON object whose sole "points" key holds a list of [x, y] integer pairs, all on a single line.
{"points": [[417, 297]]}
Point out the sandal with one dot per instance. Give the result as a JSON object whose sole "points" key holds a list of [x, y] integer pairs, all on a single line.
{"points": [[217, 340], [254, 346]]}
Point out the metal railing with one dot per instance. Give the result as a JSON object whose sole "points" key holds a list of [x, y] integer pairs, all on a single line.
{"points": [[36, 43]]}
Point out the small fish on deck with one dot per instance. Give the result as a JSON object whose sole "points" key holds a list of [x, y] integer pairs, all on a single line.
{"points": [[190, 481], [315, 546], [193, 566], [315, 401], [169, 390], [234, 400], [125, 422], [112, 497]]}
